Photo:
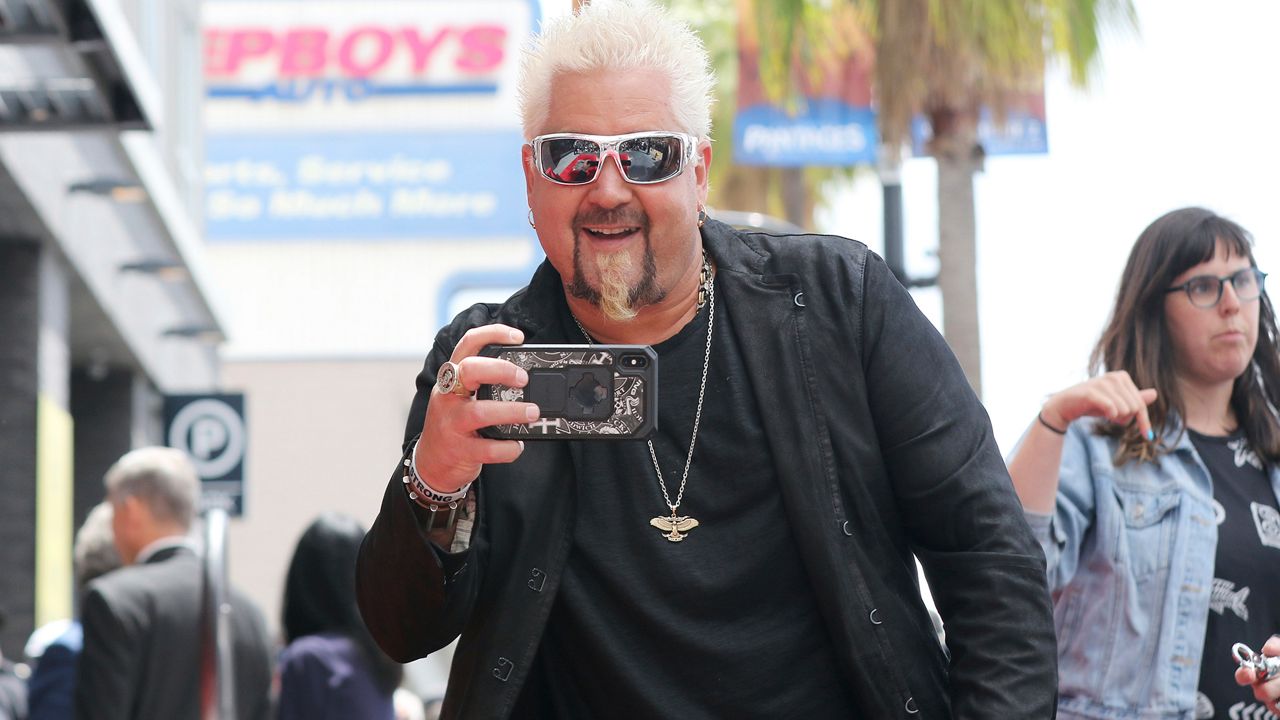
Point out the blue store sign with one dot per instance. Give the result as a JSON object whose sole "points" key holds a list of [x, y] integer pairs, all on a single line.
{"points": [[826, 132], [421, 185]]}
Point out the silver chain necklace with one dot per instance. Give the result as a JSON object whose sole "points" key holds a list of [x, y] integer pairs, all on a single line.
{"points": [[673, 526]]}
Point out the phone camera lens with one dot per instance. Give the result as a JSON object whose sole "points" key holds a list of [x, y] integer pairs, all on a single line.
{"points": [[635, 361]]}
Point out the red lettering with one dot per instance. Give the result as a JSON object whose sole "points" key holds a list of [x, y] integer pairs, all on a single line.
{"points": [[215, 53], [355, 60], [227, 50], [420, 48], [302, 54], [482, 48], [360, 52]]}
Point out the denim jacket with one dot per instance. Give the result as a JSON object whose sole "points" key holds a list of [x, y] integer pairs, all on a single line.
{"points": [[1130, 553]]}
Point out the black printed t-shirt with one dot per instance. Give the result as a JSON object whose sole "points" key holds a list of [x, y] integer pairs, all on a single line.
{"points": [[1244, 605], [723, 624]]}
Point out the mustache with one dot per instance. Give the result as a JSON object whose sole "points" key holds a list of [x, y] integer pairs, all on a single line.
{"points": [[614, 216]]}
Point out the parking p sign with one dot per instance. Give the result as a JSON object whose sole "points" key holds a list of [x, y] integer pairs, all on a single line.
{"points": [[211, 429]]}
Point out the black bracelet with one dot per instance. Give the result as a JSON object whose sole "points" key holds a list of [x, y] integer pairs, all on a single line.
{"points": [[435, 511], [1040, 417]]}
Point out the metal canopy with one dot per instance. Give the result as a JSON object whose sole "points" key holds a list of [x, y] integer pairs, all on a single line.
{"points": [[78, 78], [29, 21]]}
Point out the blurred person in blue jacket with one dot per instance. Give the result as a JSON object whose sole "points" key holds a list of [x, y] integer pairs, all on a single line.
{"points": [[1153, 486], [52, 684]]}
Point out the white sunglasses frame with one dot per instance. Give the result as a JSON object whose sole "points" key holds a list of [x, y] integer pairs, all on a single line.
{"points": [[609, 146]]}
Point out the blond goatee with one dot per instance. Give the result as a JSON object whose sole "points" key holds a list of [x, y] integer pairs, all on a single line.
{"points": [[615, 295]]}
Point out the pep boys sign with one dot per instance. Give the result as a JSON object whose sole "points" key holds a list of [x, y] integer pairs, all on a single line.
{"points": [[338, 55], [363, 119], [354, 59]]}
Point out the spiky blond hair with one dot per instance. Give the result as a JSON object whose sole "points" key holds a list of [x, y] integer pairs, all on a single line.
{"points": [[618, 36]]}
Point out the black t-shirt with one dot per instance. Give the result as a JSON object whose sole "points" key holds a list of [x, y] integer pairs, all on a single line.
{"points": [[722, 624], [1244, 605]]}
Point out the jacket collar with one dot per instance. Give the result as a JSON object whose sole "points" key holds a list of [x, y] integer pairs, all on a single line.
{"points": [[534, 308], [163, 549]]}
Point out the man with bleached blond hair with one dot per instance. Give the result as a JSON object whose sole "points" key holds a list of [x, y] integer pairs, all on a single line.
{"points": [[753, 558]]}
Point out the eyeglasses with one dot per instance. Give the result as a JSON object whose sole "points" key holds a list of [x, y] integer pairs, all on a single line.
{"points": [[1206, 290], [643, 158]]}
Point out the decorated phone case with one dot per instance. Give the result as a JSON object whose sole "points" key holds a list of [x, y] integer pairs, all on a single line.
{"points": [[585, 392]]}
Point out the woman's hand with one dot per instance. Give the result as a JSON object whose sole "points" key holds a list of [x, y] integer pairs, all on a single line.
{"points": [[1112, 396], [1035, 465], [1265, 690]]}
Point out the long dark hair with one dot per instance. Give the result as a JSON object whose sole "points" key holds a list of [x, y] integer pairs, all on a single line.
{"points": [[1137, 336], [320, 592]]}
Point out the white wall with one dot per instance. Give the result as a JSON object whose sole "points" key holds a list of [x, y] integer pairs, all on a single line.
{"points": [[324, 435]]}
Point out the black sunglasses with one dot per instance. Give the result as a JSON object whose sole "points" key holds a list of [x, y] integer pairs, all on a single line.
{"points": [[643, 158], [1206, 290]]}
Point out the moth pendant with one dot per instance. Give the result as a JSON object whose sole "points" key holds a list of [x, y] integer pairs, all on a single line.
{"points": [[673, 526]]}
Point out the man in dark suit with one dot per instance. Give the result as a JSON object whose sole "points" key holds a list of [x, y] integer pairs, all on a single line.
{"points": [[142, 623]]}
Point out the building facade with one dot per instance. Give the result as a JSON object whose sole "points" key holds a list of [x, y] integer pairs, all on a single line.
{"points": [[105, 303]]}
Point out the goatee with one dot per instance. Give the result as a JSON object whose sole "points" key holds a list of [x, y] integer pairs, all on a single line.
{"points": [[617, 299]]}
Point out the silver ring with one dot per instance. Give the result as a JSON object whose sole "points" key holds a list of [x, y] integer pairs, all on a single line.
{"points": [[449, 380]]}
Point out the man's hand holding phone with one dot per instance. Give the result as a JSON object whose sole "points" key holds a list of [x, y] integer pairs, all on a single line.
{"points": [[451, 451]]}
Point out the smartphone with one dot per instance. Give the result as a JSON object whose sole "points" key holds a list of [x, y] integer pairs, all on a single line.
{"points": [[585, 392]]}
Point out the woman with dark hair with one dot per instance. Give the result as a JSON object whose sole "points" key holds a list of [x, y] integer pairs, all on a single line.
{"points": [[1153, 486], [331, 667]]}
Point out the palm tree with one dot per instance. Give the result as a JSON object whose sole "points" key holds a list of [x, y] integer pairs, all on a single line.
{"points": [[947, 59]]}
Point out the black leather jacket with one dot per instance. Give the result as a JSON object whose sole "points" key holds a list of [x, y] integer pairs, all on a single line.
{"points": [[887, 452]]}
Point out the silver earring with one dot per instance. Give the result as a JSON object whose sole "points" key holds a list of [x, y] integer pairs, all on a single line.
{"points": [[535, 227]]}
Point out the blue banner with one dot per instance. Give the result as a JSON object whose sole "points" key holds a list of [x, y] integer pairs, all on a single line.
{"points": [[376, 185], [1023, 133], [826, 132]]}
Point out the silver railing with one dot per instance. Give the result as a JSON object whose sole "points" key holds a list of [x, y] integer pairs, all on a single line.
{"points": [[217, 669]]}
